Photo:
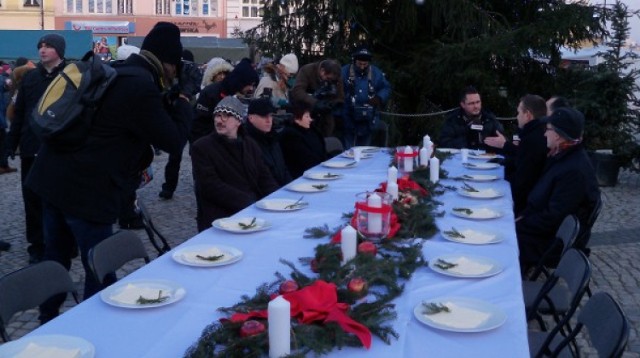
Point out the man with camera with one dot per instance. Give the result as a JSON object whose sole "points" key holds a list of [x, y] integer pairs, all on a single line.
{"points": [[366, 90], [319, 85]]}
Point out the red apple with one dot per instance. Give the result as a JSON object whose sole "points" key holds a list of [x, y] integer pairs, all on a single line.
{"points": [[288, 286], [358, 286], [368, 247], [251, 328]]}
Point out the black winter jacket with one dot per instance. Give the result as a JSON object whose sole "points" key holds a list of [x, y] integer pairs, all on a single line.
{"points": [[302, 148], [456, 133], [271, 153]]}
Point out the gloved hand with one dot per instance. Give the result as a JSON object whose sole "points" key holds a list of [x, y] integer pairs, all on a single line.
{"points": [[190, 79], [375, 102]]}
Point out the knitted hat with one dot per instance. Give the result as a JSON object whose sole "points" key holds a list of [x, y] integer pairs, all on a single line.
{"points": [[54, 40], [290, 63], [125, 51], [241, 76], [261, 107], [215, 66], [187, 55], [362, 54], [164, 42], [567, 122], [231, 105]]}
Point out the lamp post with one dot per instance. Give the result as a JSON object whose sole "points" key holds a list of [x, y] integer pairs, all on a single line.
{"points": [[41, 14]]}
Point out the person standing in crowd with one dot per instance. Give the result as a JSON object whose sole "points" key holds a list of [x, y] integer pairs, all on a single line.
{"points": [[525, 158], [302, 145], [51, 49], [467, 126], [240, 82], [5, 99], [556, 102], [260, 127], [277, 80], [319, 84], [82, 189], [190, 79], [568, 185], [366, 92], [215, 71], [228, 170]]}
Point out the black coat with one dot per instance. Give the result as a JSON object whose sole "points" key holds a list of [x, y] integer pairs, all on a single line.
{"points": [[271, 153], [456, 133], [229, 175], [529, 160], [302, 148], [567, 186], [88, 182], [203, 112], [33, 85]]}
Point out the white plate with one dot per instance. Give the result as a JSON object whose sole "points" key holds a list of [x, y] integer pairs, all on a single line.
{"points": [[322, 175], [478, 213], [340, 164], [308, 187], [467, 315], [349, 154], [472, 237], [481, 193], [281, 204], [479, 177], [368, 149], [448, 150], [481, 166], [484, 156], [233, 225], [122, 294], [14, 348], [188, 255], [468, 266]]}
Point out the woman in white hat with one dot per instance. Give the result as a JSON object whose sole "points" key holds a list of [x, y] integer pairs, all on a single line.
{"points": [[277, 80]]}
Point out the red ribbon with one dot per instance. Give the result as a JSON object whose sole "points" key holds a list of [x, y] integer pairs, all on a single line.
{"points": [[384, 209], [404, 184], [317, 302], [406, 155]]}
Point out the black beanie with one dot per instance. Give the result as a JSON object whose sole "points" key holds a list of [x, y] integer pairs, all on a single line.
{"points": [[567, 122], [54, 40], [242, 75], [164, 42]]}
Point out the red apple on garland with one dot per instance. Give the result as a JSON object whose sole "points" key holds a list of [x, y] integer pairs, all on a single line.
{"points": [[251, 328], [288, 286], [367, 248], [357, 286]]}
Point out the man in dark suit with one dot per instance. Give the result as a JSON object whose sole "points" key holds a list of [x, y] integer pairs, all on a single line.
{"points": [[82, 190]]}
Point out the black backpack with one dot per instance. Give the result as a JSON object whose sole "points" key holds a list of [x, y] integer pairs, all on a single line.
{"points": [[63, 117]]}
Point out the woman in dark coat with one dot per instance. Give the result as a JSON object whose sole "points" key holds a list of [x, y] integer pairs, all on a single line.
{"points": [[228, 168], [303, 147]]}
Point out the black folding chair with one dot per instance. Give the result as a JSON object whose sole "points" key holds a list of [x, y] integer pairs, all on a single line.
{"points": [[115, 251], [152, 231], [606, 325], [565, 238]]}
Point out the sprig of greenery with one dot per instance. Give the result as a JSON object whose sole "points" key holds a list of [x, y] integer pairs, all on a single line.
{"points": [[248, 226], [320, 186], [431, 308], [466, 211], [296, 204], [468, 188], [210, 258], [330, 175], [454, 233], [149, 301], [444, 265]]}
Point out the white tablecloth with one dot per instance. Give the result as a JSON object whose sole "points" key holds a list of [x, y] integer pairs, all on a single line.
{"points": [[168, 331]]}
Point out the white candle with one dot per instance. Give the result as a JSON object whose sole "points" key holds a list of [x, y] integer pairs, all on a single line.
{"points": [[426, 141], [434, 170], [279, 312], [429, 148], [465, 154], [348, 243], [408, 161], [392, 189], [392, 175], [374, 222], [424, 157], [356, 154]]}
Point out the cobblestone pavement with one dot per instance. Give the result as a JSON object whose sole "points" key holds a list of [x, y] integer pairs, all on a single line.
{"points": [[615, 244]]}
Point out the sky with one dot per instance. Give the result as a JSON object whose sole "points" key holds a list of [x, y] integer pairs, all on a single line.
{"points": [[634, 21]]}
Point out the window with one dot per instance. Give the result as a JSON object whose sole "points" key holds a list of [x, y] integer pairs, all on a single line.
{"points": [[31, 2], [196, 7], [252, 8], [74, 6], [163, 7], [100, 7], [125, 6]]}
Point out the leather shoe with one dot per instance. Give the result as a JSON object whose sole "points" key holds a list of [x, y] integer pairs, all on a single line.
{"points": [[165, 194], [4, 246]]}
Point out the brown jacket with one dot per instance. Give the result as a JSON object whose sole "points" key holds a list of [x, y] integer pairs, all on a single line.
{"points": [[308, 81]]}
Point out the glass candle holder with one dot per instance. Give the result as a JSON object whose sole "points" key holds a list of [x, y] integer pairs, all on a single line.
{"points": [[407, 159], [373, 213]]}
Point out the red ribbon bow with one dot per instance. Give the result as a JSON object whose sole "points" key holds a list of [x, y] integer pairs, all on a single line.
{"points": [[317, 302]]}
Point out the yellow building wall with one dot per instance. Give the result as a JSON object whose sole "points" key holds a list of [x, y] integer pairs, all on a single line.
{"points": [[15, 16]]}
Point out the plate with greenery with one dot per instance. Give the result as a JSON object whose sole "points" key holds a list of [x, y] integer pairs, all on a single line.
{"points": [[244, 225], [207, 255], [308, 187], [282, 204], [460, 314], [476, 213], [141, 294], [470, 236], [322, 175]]}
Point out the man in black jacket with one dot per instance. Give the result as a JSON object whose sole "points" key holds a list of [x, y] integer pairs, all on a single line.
{"points": [[260, 128], [467, 126], [82, 190], [525, 157], [51, 51]]}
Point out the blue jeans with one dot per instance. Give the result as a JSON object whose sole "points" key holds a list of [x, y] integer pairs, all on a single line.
{"points": [[62, 232]]}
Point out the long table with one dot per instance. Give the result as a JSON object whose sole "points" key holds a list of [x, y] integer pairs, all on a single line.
{"points": [[169, 330]]}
